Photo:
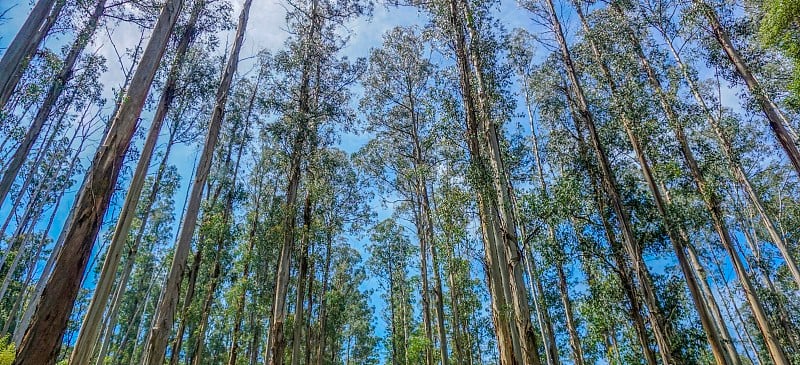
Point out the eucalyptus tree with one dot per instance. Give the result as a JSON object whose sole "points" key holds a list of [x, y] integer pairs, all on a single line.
{"points": [[390, 258], [676, 233], [191, 104], [43, 335], [468, 29], [53, 93], [311, 94], [578, 107], [162, 325], [398, 89], [87, 338], [521, 59], [778, 121], [54, 180], [22, 48]]}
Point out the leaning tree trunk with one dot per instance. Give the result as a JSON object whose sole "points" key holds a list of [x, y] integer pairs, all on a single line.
{"points": [[736, 166], [574, 337], [22, 48], [42, 339], [777, 120], [90, 329], [155, 348], [671, 227], [711, 201], [53, 93], [623, 267], [611, 187]]}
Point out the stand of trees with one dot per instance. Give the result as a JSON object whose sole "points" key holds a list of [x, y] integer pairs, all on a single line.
{"points": [[609, 182]]}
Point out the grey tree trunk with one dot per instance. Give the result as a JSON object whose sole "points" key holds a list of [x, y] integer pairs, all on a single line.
{"points": [[42, 339], [163, 320], [22, 48], [90, 328]]}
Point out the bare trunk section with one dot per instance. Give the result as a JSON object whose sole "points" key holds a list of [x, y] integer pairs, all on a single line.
{"points": [[159, 334], [42, 339], [302, 270], [90, 329], [502, 208], [22, 48], [777, 120], [508, 344], [53, 93]]}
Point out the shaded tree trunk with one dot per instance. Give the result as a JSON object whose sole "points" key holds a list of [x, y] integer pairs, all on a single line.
{"points": [[43, 337], [90, 328], [159, 334], [22, 48]]}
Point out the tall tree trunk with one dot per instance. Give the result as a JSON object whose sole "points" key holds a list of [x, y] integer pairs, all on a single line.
{"points": [[90, 329], [777, 120], [43, 337], [712, 204], [323, 305], [53, 93], [508, 334], [733, 160], [623, 268], [24, 321], [301, 281], [611, 187], [22, 48], [502, 209], [277, 337], [674, 231], [165, 312], [574, 338], [425, 295]]}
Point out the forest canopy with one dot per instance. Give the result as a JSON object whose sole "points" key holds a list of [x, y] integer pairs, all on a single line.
{"points": [[462, 182]]}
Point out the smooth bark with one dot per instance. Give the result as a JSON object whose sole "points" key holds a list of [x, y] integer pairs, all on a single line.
{"points": [[42, 339], [156, 345]]}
